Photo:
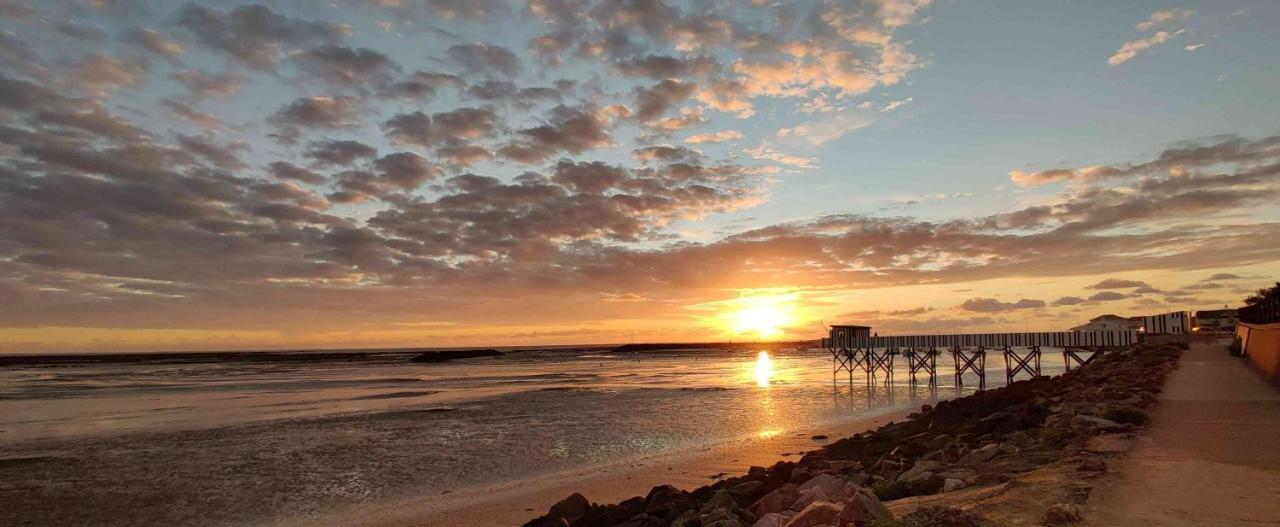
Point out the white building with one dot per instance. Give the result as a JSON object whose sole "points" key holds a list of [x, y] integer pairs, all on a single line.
{"points": [[1107, 323]]}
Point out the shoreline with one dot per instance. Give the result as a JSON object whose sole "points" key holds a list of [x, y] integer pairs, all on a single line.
{"points": [[514, 502]]}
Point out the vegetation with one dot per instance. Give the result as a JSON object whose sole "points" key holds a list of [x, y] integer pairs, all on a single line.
{"points": [[1264, 295], [890, 490], [1125, 415]]}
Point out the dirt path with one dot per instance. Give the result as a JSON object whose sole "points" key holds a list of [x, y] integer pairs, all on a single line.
{"points": [[1211, 455]]}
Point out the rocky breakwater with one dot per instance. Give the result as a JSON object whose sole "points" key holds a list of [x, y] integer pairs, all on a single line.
{"points": [[983, 441]]}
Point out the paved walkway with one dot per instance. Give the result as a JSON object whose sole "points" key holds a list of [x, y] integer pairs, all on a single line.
{"points": [[1211, 455]]}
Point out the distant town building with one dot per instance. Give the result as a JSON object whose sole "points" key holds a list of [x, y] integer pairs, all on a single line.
{"points": [[1108, 323], [1217, 321]]}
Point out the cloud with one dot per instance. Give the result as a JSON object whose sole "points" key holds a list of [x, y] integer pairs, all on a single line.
{"points": [[462, 124], [343, 66], [486, 59], [1193, 47], [894, 105], [714, 137], [336, 153], [1132, 48], [1224, 276], [1107, 296], [991, 305], [1164, 17], [152, 41], [572, 130], [322, 112], [201, 85], [286, 170], [654, 101], [254, 35], [421, 86], [1117, 283], [1177, 159], [1068, 301]]}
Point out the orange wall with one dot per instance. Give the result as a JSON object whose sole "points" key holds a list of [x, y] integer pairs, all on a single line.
{"points": [[1262, 347]]}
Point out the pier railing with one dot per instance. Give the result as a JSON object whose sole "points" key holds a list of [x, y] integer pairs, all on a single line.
{"points": [[874, 355]]}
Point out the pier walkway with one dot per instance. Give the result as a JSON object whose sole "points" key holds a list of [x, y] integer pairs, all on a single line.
{"points": [[1211, 455]]}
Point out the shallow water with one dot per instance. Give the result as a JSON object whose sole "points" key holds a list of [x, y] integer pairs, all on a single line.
{"points": [[243, 441]]}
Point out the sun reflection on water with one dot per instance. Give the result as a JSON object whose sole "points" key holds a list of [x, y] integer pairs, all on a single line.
{"points": [[764, 369]]}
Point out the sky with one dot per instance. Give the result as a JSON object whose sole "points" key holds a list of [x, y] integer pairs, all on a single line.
{"points": [[401, 173]]}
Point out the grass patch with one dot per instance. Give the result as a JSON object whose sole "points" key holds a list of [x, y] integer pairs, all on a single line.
{"points": [[890, 490]]}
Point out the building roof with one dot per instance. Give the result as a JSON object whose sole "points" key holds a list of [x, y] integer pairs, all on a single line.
{"points": [[849, 326]]}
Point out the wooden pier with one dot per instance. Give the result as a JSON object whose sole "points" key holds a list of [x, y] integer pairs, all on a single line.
{"points": [[853, 348]]}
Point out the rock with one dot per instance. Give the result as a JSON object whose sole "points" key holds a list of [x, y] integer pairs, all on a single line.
{"points": [[921, 479], [772, 519], [1061, 514], [1093, 464], [643, 520], [981, 455], [1106, 425], [748, 491], [920, 483], [571, 508], [989, 423], [809, 497], [831, 486], [937, 516], [777, 501], [862, 508], [818, 513], [921, 467], [953, 484]]}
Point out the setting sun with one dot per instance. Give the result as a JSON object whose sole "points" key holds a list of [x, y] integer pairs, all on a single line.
{"points": [[762, 318]]}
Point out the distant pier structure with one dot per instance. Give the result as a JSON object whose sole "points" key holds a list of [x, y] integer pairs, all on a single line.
{"points": [[856, 348]]}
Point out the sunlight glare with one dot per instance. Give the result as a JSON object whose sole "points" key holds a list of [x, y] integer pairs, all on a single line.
{"points": [[764, 369], [764, 317]]}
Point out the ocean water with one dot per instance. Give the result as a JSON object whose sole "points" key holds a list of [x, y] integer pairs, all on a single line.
{"points": [[241, 441]]}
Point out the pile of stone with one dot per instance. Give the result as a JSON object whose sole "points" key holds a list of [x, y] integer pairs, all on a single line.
{"points": [[984, 439]]}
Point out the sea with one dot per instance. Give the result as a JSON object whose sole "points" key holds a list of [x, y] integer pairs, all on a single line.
{"points": [[236, 441]]}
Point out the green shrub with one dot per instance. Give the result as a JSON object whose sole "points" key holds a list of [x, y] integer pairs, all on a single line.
{"points": [[890, 490]]}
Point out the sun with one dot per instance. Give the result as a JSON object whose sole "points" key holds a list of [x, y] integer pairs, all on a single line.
{"points": [[762, 318]]}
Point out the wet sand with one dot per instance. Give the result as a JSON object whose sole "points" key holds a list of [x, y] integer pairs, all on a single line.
{"points": [[513, 503]]}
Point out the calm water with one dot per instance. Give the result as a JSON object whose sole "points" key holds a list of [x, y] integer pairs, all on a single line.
{"points": [[301, 435]]}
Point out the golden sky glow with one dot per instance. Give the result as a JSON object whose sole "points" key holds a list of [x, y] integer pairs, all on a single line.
{"points": [[184, 177]]}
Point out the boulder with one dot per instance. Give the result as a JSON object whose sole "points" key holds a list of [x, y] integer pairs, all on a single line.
{"points": [[809, 497], [777, 501], [818, 513], [921, 467], [981, 455], [1093, 464], [863, 508], [571, 508], [772, 519], [953, 484], [748, 491], [1061, 514], [830, 485], [1106, 425]]}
